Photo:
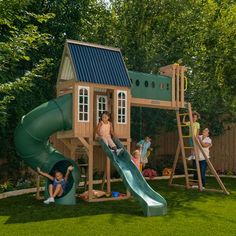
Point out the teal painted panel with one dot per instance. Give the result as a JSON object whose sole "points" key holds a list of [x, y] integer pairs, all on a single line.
{"points": [[150, 86]]}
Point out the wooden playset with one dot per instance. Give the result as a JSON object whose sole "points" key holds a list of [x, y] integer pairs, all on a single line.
{"points": [[98, 80], [93, 79]]}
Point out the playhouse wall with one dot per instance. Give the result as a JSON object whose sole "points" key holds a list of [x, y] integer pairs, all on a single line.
{"points": [[150, 86]]}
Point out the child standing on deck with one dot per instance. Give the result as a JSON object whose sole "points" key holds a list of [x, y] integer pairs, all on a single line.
{"points": [[57, 188], [105, 130]]}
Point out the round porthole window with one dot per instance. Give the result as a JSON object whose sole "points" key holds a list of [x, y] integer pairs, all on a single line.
{"points": [[167, 87], [137, 82], [146, 83]]}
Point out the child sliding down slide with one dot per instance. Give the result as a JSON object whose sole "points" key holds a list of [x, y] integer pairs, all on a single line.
{"points": [[58, 185], [105, 130]]}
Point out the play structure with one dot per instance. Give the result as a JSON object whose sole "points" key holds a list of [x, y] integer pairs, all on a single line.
{"points": [[92, 79]]}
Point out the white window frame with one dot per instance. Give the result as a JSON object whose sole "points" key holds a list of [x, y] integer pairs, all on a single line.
{"points": [[83, 104], [121, 107], [98, 102]]}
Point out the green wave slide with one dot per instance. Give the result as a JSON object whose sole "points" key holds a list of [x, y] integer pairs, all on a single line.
{"points": [[152, 203], [32, 142], [32, 145]]}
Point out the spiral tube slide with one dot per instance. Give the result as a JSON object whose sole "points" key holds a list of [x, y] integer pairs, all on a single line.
{"points": [[32, 142]]}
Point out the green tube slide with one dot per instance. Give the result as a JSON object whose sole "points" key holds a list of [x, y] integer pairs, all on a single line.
{"points": [[33, 146], [152, 203]]}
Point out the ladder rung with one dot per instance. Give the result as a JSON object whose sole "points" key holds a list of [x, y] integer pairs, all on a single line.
{"points": [[186, 136], [192, 169], [184, 125], [183, 114], [188, 147]]}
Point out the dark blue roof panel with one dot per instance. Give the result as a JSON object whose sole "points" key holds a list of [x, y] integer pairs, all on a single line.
{"points": [[99, 65]]}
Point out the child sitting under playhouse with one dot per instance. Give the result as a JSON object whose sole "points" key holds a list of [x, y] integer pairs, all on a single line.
{"points": [[105, 131], [57, 188]]}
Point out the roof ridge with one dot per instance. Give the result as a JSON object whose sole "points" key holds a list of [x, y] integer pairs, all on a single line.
{"points": [[92, 45]]}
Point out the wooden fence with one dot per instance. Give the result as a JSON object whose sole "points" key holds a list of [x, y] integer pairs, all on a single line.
{"points": [[223, 151]]}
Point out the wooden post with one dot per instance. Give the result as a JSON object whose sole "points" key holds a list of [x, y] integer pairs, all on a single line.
{"points": [[212, 168], [173, 85], [128, 194], [90, 170], [182, 149], [174, 164], [182, 86], [195, 148], [108, 170], [177, 86], [38, 187]]}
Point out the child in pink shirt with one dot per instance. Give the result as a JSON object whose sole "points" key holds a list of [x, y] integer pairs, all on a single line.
{"points": [[136, 158], [105, 130]]}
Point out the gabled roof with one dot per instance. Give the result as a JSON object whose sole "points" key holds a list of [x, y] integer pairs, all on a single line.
{"points": [[98, 64]]}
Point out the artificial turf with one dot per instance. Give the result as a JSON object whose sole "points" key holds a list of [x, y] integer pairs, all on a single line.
{"points": [[189, 213]]}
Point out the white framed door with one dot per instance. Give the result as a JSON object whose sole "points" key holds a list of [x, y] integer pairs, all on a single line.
{"points": [[101, 105]]}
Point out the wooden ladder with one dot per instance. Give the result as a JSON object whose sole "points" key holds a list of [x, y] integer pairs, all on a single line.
{"points": [[182, 148]]}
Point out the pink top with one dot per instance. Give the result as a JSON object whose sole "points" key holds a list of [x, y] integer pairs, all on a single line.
{"points": [[136, 161], [105, 129]]}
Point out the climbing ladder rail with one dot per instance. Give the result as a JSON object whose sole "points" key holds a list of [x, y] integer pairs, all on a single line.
{"points": [[181, 148]]}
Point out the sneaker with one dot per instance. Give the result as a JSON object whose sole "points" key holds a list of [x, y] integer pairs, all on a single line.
{"points": [[190, 158], [194, 186], [119, 151], [49, 200]]}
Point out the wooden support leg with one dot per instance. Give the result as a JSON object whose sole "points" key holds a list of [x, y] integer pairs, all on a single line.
{"points": [[174, 164], [38, 187], [108, 170], [90, 172], [104, 178]]}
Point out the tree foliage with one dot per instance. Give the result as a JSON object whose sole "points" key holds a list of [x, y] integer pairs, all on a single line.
{"points": [[199, 34]]}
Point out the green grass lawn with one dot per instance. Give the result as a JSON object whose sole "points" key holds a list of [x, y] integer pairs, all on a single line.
{"points": [[189, 213]]}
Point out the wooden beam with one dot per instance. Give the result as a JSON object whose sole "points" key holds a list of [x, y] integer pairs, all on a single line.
{"points": [[173, 86], [174, 164], [177, 86], [108, 170], [65, 134], [90, 172], [211, 167], [107, 199], [84, 142], [196, 153], [182, 86], [140, 102], [65, 85]]}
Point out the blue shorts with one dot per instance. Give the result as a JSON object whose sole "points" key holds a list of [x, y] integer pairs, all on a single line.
{"points": [[190, 142]]}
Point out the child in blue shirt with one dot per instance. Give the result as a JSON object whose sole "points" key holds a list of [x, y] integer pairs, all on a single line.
{"points": [[145, 145], [58, 185]]}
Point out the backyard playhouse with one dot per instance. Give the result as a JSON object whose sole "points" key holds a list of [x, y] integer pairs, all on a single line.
{"points": [[93, 79]]}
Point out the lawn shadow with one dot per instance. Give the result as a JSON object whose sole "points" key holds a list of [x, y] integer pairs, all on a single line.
{"points": [[25, 208]]}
